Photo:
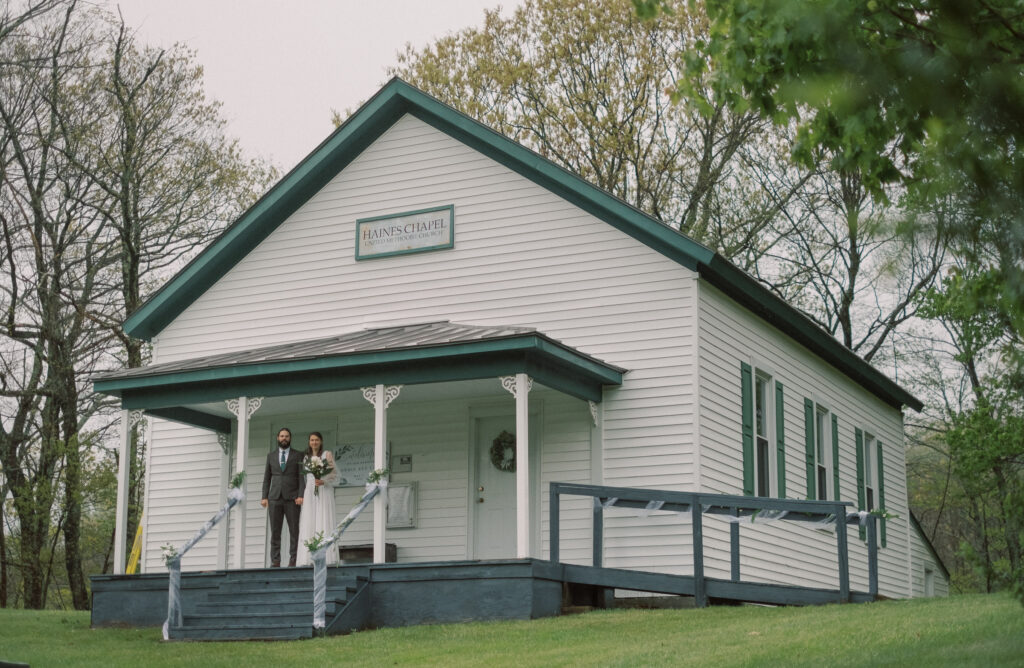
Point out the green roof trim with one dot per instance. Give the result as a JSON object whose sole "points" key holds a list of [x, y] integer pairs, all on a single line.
{"points": [[397, 98], [548, 362], [193, 418], [916, 526]]}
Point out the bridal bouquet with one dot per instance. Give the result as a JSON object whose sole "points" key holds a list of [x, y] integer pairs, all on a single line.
{"points": [[318, 467]]}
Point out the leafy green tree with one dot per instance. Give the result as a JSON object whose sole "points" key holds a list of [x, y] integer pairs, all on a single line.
{"points": [[925, 94], [985, 435]]}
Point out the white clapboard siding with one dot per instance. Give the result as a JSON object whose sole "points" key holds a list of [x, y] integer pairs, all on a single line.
{"points": [[184, 492], [921, 561], [566, 457], [522, 257], [785, 552], [436, 434]]}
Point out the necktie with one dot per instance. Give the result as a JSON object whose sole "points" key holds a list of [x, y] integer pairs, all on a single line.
{"points": [[284, 459]]}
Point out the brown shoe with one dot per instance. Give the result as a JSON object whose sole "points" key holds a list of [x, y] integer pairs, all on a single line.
{"points": [[276, 564], [291, 563]]}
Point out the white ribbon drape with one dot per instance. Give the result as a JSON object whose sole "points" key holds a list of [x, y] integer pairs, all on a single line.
{"points": [[235, 495], [319, 557]]}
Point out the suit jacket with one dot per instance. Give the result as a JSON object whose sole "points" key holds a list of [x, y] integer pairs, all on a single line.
{"points": [[287, 484]]}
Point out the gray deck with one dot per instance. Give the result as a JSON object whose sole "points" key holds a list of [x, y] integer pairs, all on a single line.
{"points": [[277, 604]]}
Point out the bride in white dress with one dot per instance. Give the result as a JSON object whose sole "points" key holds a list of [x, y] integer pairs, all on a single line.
{"points": [[317, 509]]}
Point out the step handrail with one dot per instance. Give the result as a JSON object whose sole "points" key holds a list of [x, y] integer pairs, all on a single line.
{"points": [[173, 557], [737, 508], [375, 486]]}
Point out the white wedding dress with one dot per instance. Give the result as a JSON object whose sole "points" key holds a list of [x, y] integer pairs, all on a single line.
{"points": [[317, 514]]}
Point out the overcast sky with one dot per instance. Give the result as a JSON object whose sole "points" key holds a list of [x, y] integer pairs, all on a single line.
{"points": [[280, 67]]}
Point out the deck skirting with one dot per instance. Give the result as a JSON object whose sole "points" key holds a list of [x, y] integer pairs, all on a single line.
{"points": [[390, 595]]}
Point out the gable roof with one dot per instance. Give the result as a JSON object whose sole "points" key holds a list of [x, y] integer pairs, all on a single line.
{"points": [[398, 98]]}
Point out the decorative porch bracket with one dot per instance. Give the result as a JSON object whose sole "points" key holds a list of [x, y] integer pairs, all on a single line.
{"points": [[381, 397], [519, 386], [734, 509], [242, 408]]}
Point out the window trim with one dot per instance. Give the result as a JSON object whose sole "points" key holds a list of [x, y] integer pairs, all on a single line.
{"points": [[759, 373], [751, 373], [870, 454]]}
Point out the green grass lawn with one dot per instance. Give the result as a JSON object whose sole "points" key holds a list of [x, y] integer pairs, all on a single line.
{"points": [[961, 630]]}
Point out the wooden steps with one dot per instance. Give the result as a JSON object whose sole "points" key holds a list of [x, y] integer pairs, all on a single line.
{"points": [[269, 604]]}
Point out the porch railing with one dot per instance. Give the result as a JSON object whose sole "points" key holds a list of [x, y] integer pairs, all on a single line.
{"points": [[174, 616], [319, 555], [736, 508]]}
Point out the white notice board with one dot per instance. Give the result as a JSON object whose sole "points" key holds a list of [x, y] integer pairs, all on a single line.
{"points": [[354, 463]]}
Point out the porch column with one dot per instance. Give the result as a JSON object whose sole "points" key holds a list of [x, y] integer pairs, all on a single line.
{"points": [[224, 532], [381, 397], [520, 386], [121, 511], [243, 408]]}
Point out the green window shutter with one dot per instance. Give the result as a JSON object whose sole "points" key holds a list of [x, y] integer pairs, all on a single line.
{"points": [[809, 444], [835, 458], [780, 440], [747, 388], [859, 443], [881, 491]]}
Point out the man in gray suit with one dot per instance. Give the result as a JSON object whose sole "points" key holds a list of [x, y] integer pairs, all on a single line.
{"points": [[283, 484]]}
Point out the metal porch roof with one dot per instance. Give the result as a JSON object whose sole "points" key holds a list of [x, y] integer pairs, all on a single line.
{"points": [[408, 354]]}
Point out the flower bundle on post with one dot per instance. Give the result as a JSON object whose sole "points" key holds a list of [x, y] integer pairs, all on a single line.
{"points": [[314, 542], [318, 467]]}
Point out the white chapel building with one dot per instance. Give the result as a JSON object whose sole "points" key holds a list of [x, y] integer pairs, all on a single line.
{"points": [[421, 285]]}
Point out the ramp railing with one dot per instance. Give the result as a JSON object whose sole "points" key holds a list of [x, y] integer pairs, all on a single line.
{"points": [[736, 509], [318, 551], [173, 557]]}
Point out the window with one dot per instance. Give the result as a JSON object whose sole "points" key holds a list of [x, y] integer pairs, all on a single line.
{"points": [[870, 477], [821, 446], [764, 465], [762, 426], [870, 472], [821, 452]]}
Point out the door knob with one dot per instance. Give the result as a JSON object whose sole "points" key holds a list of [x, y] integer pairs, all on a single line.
{"points": [[481, 488], [480, 500]]}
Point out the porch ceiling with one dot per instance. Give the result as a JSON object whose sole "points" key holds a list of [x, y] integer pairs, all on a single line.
{"points": [[437, 352]]}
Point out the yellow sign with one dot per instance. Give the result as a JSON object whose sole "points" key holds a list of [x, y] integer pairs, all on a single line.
{"points": [[136, 554]]}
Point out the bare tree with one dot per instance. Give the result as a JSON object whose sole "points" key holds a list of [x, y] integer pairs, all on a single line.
{"points": [[848, 264], [585, 86], [52, 258], [115, 169]]}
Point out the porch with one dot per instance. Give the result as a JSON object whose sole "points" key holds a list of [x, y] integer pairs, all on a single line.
{"points": [[278, 603], [440, 391]]}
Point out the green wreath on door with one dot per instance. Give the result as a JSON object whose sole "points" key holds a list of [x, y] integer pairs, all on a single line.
{"points": [[503, 452]]}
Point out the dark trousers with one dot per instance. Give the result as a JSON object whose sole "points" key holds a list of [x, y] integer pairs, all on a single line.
{"points": [[279, 510]]}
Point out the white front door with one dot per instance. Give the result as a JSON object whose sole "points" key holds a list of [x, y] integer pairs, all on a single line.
{"points": [[494, 502]]}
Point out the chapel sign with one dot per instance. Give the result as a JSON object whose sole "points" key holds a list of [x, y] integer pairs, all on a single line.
{"points": [[401, 233]]}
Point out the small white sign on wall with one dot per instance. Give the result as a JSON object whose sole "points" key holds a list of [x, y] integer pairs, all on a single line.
{"points": [[354, 463], [402, 233]]}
